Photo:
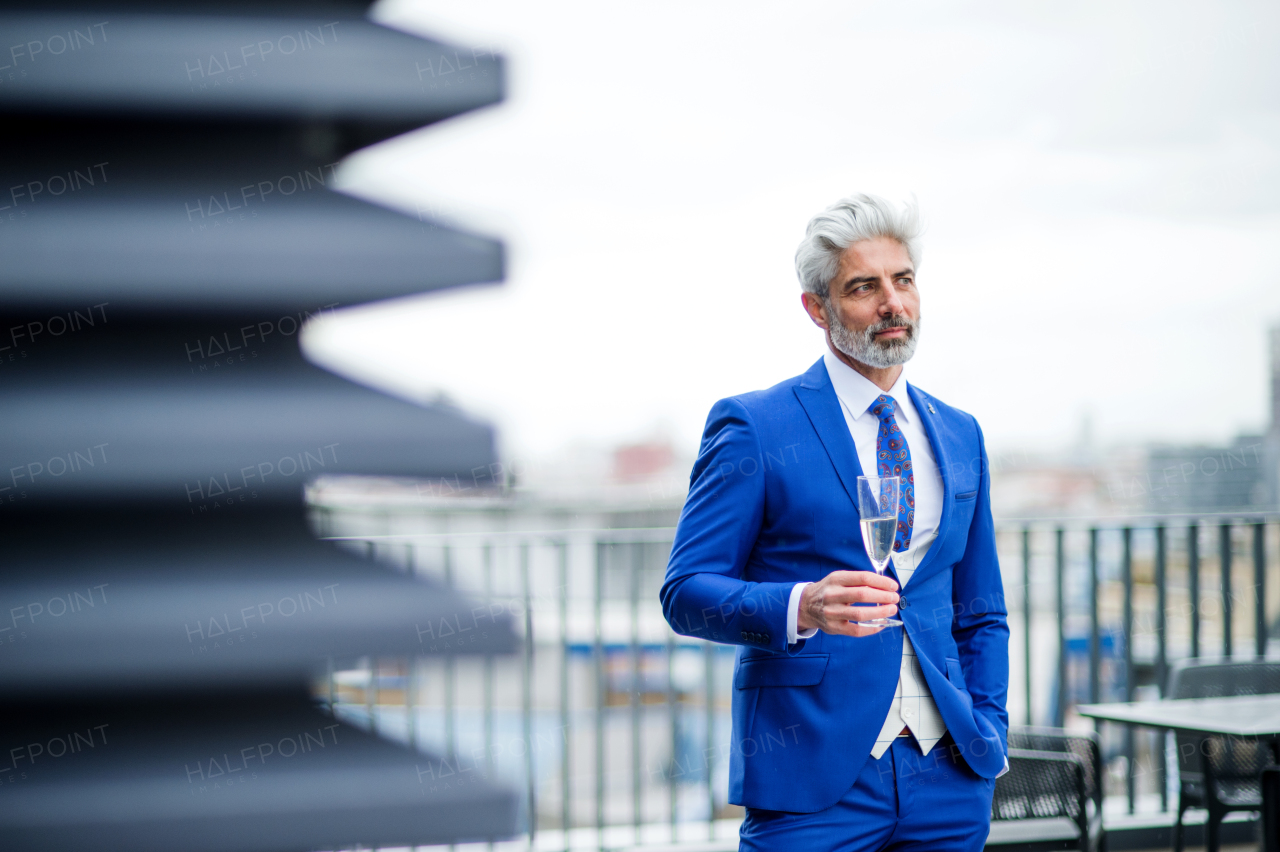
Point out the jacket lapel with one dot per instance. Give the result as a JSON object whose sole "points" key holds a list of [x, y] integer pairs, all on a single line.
{"points": [[921, 402], [818, 398]]}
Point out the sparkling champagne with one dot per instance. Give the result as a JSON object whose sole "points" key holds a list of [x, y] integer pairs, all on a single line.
{"points": [[878, 517], [878, 535]]}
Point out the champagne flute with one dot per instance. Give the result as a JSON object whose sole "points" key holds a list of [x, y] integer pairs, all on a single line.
{"points": [[878, 517]]}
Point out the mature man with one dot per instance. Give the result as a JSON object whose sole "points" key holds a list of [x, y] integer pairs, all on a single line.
{"points": [[848, 736]]}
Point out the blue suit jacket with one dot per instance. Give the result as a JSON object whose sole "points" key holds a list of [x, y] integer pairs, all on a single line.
{"points": [[772, 502]]}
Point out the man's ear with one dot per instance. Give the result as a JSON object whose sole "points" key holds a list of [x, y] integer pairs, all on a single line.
{"points": [[816, 310]]}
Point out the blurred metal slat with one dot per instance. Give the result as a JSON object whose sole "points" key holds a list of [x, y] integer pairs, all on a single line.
{"points": [[170, 224]]}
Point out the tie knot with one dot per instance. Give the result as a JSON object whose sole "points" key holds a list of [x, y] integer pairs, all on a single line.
{"points": [[884, 407]]}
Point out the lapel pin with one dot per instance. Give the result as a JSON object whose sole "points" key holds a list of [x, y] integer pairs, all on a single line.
{"points": [[930, 405]]}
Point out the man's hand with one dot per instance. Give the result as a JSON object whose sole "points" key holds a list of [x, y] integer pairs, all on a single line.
{"points": [[828, 603]]}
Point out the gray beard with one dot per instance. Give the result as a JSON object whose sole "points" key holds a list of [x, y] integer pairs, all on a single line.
{"points": [[863, 347]]}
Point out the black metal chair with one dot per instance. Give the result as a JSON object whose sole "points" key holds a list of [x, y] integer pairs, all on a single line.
{"points": [[1218, 773], [1051, 797], [1083, 744]]}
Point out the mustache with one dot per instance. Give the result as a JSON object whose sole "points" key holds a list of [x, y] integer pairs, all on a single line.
{"points": [[895, 321]]}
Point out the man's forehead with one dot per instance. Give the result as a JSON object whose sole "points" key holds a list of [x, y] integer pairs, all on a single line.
{"points": [[879, 252]]}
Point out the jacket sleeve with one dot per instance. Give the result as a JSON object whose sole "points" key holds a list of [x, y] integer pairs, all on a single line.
{"points": [[705, 593], [980, 625]]}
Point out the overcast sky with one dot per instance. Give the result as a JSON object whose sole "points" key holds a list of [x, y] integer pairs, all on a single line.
{"points": [[1101, 183]]}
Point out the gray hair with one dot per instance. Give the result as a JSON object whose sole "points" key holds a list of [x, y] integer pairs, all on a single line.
{"points": [[850, 220]]}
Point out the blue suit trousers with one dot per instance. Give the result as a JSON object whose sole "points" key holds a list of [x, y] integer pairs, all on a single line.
{"points": [[904, 801]]}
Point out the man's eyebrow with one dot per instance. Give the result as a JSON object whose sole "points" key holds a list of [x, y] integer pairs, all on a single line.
{"points": [[871, 279], [865, 279]]}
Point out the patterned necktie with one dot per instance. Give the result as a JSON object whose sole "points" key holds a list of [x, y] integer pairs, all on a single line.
{"points": [[893, 458]]}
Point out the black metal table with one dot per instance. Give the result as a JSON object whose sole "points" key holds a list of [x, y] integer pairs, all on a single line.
{"points": [[1252, 716], [1239, 716]]}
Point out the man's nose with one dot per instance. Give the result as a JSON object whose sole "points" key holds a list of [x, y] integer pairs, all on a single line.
{"points": [[892, 303]]}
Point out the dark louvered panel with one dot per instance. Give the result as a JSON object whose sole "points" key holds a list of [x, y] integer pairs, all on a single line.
{"points": [[272, 69], [147, 166], [168, 226], [215, 249], [192, 443], [216, 772], [113, 601]]}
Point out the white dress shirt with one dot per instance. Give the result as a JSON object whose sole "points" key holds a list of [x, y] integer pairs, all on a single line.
{"points": [[913, 706]]}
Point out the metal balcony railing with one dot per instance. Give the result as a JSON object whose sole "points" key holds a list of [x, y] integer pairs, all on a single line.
{"points": [[1129, 597], [617, 731]]}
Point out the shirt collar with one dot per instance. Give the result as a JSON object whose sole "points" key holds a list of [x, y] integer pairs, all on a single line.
{"points": [[857, 392]]}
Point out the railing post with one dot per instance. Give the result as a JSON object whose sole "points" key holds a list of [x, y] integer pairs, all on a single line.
{"points": [[1193, 584], [1060, 567], [1126, 573], [528, 694], [1224, 562], [673, 719], [331, 686], [371, 695], [637, 804], [1162, 609], [450, 672], [598, 653], [411, 671], [1095, 642], [1026, 617], [1260, 588], [487, 560], [1162, 651], [709, 660], [566, 662]]}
